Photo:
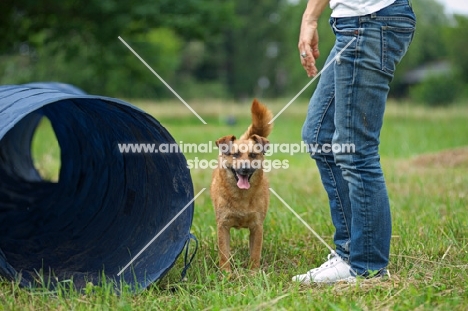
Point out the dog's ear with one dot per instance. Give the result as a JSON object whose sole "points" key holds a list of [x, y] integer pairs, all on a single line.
{"points": [[265, 143], [226, 140], [224, 144]]}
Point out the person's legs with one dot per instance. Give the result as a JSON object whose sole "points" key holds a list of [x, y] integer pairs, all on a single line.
{"points": [[360, 103], [347, 111], [362, 77]]}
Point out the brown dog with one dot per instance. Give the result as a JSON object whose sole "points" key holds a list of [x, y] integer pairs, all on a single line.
{"points": [[239, 189]]}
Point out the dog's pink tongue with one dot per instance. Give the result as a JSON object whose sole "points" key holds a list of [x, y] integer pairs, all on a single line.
{"points": [[243, 182]]}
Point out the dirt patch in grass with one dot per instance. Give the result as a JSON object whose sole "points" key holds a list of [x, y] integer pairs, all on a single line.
{"points": [[447, 158]]}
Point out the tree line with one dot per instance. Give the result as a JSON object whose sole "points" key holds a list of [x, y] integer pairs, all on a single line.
{"points": [[203, 48]]}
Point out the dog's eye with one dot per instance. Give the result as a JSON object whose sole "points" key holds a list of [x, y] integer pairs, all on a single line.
{"points": [[253, 155]]}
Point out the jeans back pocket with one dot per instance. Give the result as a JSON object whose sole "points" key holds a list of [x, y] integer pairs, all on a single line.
{"points": [[395, 44]]}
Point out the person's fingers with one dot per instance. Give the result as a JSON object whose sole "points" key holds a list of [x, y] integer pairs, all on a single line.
{"points": [[308, 61], [309, 65], [316, 52], [308, 50]]}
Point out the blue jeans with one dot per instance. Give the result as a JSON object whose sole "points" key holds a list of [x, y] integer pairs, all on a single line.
{"points": [[345, 111]]}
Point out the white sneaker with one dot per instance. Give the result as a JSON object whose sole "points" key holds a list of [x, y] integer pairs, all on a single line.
{"points": [[333, 270]]}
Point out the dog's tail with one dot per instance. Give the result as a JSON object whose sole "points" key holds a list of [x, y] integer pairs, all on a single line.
{"points": [[261, 116]]}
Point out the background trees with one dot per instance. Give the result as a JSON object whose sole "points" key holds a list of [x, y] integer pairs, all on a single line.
{"points": [[203, 48]]}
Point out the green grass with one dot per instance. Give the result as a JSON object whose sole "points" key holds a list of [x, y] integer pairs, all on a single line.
{"points": [[427, 178], [45, 151]]}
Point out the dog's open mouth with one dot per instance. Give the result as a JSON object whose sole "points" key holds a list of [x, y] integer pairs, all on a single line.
{"points": [[243, 180]]}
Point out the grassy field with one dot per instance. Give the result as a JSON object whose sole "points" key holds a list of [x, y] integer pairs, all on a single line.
{"points": [[425, 159]]}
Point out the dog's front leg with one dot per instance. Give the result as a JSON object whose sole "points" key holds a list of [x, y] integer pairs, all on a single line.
{"points": [[224, 237], [255, 245]]}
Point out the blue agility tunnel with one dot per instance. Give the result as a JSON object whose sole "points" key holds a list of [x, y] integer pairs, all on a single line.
{"points": [[105, 207]]}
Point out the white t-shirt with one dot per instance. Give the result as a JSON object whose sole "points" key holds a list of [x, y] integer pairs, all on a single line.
{"points": [[347, 8]]}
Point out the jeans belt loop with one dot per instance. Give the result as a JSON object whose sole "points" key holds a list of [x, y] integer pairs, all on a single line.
{"points": [[373, 15]]}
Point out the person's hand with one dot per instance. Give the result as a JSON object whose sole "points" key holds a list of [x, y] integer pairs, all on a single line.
{"points": [[308, 45]]}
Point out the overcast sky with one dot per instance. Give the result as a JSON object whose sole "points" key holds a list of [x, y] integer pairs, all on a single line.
{"points": [[451, 6], [455, 6]]}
